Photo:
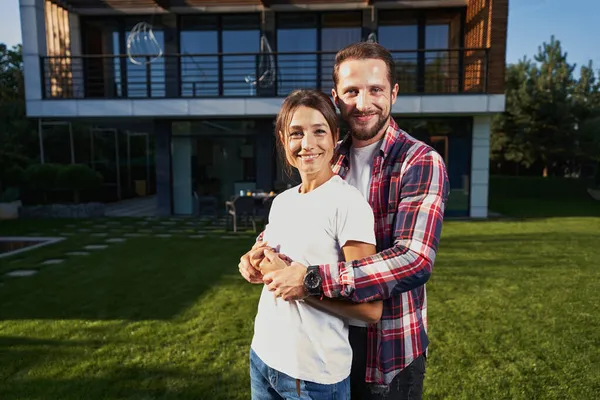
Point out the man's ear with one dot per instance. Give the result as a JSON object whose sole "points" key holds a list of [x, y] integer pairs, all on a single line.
{"points": [[335, 98], [394, 95]]}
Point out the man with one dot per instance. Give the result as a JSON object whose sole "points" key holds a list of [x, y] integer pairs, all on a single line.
{"points": [[406, 183]]}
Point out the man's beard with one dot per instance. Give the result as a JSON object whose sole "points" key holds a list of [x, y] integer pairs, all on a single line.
{"points": [[362, 132]]}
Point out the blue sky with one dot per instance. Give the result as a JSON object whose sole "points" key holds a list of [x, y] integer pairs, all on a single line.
{"points": [[531, 22]]}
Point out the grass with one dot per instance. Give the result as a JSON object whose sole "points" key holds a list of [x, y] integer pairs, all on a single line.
{"points": [[514, 310]]}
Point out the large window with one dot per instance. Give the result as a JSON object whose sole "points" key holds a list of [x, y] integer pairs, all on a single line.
{"points": [[296, 33], [199, 64], [338, 30], [399, 32], [241, 34], [451, 138]]}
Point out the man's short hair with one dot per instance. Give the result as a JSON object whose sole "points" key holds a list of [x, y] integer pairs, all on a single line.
{"points": [[365, 51]]}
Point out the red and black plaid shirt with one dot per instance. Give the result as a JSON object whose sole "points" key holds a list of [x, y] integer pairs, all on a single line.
{"points": [[408, 192]]}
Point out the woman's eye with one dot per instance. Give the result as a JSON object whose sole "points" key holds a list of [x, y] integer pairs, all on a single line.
{"points": [[295, 134], [320, 131]]}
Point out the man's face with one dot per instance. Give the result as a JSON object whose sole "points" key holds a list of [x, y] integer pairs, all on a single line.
{"points": [[364, 97]]}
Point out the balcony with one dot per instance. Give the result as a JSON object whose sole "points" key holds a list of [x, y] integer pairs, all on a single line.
{"points": [[235, 75]]}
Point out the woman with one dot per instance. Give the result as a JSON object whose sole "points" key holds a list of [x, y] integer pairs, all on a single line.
{"points": [[300, 350]]}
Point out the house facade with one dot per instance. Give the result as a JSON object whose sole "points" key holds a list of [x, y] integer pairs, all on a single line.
{"points": [[203, 80]]}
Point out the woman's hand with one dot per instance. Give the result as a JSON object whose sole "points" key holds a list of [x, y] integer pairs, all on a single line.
{"points": [[271, 262]]}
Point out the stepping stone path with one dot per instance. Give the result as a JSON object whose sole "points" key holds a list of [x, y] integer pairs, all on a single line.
{"points": [[164, 235], [78, 253], [115, 240], [101, 234], [95, 246], [22, 272], [84, 230], [132, 234], [54, 261], [196, 236]]}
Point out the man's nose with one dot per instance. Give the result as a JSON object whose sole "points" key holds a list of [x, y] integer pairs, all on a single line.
{"points": [[362, 101]]}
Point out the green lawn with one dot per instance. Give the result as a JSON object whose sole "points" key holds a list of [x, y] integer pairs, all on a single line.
{"points": [[514, 309]]}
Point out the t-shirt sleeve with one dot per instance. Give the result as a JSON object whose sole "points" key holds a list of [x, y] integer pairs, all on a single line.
{"points": [[354, 219]]}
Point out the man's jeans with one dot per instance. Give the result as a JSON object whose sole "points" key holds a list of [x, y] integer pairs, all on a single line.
{"points": [[269, 384]]}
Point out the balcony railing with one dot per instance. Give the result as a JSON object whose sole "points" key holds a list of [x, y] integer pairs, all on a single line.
{"points": [[440, 71]]}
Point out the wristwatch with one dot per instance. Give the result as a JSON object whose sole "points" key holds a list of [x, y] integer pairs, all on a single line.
{"points": [[313, 281]]}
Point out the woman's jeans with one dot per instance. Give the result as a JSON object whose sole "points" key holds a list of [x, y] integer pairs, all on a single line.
{"points": [[269, 384]]}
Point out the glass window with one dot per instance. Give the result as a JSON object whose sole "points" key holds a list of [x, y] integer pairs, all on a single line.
{"points": [[199, 65], [451, 138], [296, 32], [338, 31], [438, 60], [145, 78], [241, 34], [399, 32]]}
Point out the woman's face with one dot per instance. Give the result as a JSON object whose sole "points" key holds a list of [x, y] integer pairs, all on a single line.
{"points": [[309, 142]]}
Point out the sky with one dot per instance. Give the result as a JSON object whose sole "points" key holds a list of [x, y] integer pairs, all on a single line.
{"points": [[530, 23]]}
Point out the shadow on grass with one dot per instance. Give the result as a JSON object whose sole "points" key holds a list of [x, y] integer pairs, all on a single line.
{"points": [[143, 279], [132, 383]]}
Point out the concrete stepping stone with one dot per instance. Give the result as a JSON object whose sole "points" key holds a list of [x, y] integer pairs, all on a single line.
{"points": [[100, 234], [228, 237], [167, 223], [115, 240], [53, 261], [70, 226], [18, 273], [164, 235], [84, 230], [132, 234], [196, 236], [145, 230], [78, 253], [95, 246], [113, 222]]}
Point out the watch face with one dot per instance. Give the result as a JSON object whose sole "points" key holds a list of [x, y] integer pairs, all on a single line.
{"points": [[313, 280]]}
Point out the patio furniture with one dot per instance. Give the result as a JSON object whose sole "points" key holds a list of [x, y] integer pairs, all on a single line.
{"points": [[241, 206]]}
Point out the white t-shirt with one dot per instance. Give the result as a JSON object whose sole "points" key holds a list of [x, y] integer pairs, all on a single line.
{"points": [[294, 337], [359, 176]]}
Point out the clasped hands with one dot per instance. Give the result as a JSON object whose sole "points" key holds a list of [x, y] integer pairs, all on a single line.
{"points": [[262, 264]]}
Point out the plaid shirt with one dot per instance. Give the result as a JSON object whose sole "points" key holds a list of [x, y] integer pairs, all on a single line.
{"points": [[408, 192]]}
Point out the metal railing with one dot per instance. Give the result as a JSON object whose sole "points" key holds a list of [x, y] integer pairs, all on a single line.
{"points": [[441, 71]]}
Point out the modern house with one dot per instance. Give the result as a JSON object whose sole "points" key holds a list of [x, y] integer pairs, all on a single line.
{"points": [[202, 80]]}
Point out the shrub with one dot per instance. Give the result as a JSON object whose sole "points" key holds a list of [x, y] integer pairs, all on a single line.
{"points": [[77, 178]]}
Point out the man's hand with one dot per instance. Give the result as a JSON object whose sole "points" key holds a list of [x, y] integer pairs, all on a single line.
{"points": [[287, 283], [249, 263]]}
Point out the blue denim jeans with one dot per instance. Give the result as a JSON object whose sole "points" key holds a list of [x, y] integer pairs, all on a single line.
{"points": [[269, 384]]}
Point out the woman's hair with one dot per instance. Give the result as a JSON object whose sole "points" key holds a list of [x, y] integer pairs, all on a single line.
{"points": [[314, 99]]}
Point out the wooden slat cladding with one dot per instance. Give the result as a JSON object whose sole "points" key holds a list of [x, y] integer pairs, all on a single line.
{"points": [[167, 4], [486, 24], [58, 44]]}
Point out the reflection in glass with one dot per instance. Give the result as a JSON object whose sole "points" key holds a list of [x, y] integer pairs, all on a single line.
{"points": [[296, 70], [333, 40], [451, 138], [398, 39], [437, 63], [199, 73], [237, 68]]}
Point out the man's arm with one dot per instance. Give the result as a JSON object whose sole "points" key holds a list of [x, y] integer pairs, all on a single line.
{"points": [[369, 312], [422, 197]]}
